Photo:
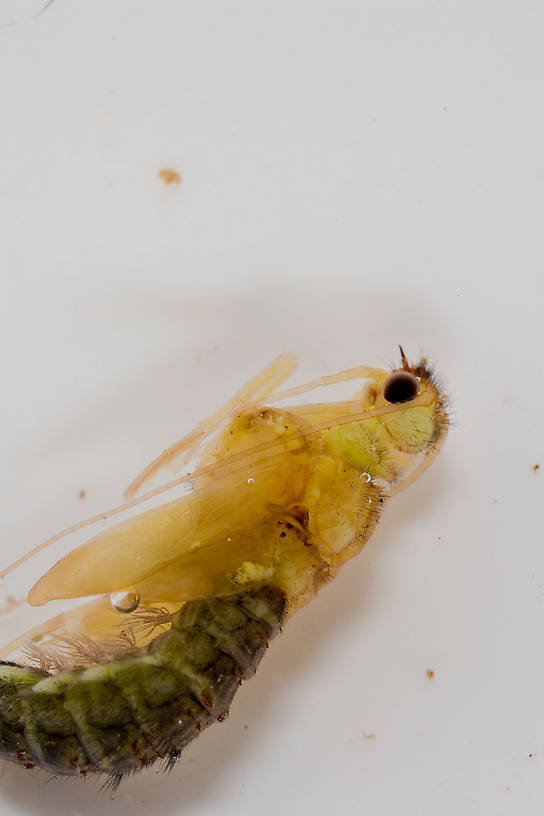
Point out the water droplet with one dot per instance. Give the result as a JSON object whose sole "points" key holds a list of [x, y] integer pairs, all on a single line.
{"points": [[251, 480], [125, 601], [369, 500], [366, 477]]}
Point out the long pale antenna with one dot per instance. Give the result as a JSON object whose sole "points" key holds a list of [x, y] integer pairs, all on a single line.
{"points": [[206, 470]]}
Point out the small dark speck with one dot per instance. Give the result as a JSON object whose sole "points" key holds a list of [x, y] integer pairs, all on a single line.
{"points": [[82, 494], [245, 727], [430, 673], [495, 501], [532, 756], [536, 467]]}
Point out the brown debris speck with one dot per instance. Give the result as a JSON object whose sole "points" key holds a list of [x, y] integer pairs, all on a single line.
{"points": [[369, 736], [82, 494], [536, 467], [206, 699], [430, 673], [169, 175]]}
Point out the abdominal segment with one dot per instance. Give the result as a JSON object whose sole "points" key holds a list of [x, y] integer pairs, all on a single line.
{"points": [[120, 716]]}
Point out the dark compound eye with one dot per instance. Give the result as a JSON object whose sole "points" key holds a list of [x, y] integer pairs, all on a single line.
{"points": [[401, 387]]}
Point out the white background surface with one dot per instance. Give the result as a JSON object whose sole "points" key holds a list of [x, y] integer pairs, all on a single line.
{"points": [[355, 175]]}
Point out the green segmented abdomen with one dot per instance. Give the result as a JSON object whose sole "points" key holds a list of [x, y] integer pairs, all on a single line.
{"points": [[120, 716]]}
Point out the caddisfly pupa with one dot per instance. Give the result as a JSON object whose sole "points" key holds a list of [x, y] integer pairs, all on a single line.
{"points": [[190, 592]]}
